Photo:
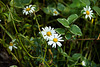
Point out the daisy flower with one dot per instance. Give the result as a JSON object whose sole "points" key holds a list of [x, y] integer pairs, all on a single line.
{"points": [[12, 45], [28, 10], [55, 12], [83, 63], [47, 32], [55, 39], [88, 12]]}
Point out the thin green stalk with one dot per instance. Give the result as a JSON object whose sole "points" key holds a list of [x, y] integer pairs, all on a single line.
{"points": [[13, 21], [45, 52], [37, 22], [15, 57]]}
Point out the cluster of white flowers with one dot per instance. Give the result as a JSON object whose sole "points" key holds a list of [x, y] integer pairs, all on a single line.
{"points": [[55, 12], [12, 44], [28, 10], [88, 12], [51, 36]]}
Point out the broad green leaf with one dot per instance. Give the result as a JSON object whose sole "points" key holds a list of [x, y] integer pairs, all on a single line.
{"points": [[64, 22], [60, 31], [94, 1], [75, 30], [20, 3], [86, 2], [26, 26], [72, 18], [97, 9], [60, 7], [68, 36], [46, 10], [76, 56]]}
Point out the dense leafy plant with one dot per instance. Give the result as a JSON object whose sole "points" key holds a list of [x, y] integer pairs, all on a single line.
{"points": [[50, 33]]}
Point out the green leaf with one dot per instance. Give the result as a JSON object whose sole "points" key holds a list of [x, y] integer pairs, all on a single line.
{"points": [[26, 26], [60, 31], [75, 30], [64, 22], [46, 10], [76, 56], [20, 3], [86, 2], [60, 7], [68, 36], [72, 18], [94, 1], [97, 9]]}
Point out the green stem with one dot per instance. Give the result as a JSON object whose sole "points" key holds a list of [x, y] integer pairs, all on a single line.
{"points": [[13, 21], [15, 57], [45, 52]]}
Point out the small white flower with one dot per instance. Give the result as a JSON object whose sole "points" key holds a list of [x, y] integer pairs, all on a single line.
{"points": [[55, 39], [47, 32], [12, 44], [88, 12], [28, 10], [83, 63], [0, 20], [55, 12]]}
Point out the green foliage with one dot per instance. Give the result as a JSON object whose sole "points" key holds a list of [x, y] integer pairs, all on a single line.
{"points": [[60, 31], [97, 9], [64, 22], [72, 18], [75, 30], [20, 3], [86, 2], [33, 49], [60, 7]]}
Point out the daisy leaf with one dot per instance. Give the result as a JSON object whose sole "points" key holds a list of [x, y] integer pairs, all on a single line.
{"points": [[20, 3], [86, 2], [64, 22], [97, 9], [75, 30], [60, 31], [72, 18]]}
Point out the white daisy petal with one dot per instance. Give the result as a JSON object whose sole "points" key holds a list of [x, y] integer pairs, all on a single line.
{"points": [[50, 42], [86, 16], [15, 47], [59, 44], [54, 45], [10, 47]]}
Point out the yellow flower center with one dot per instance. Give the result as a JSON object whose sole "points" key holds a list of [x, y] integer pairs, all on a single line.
{"points": [[55, 40], [55, 12], [11, 44], [49, 33], [87, 12], [28, 9]]}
